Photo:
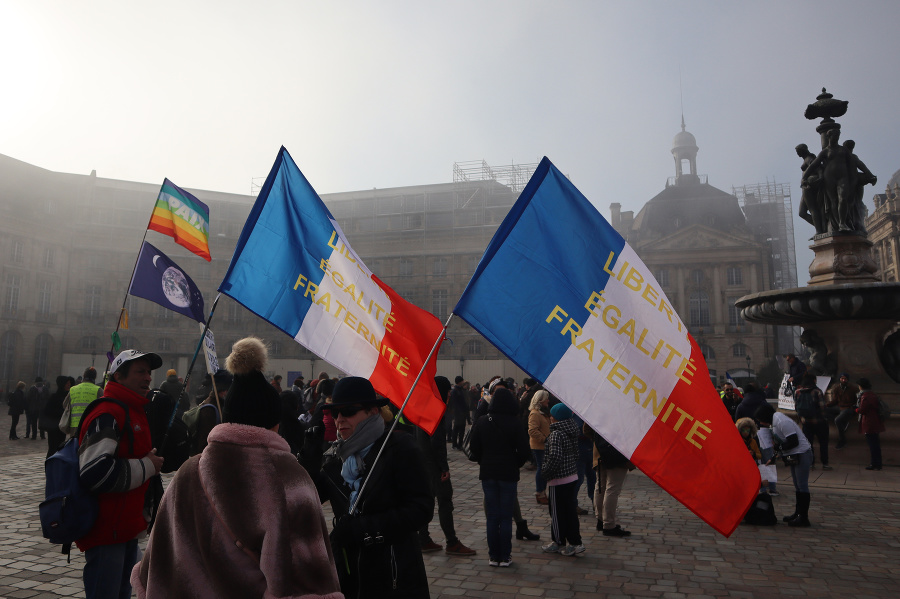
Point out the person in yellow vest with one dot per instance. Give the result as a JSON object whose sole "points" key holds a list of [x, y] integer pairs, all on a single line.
{"points": [[79, 397]]}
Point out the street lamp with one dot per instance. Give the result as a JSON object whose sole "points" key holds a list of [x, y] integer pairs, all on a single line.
{"points": [[748, 366]]}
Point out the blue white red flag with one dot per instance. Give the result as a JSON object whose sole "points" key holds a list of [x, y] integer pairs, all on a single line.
{"points": [[157, 278], [294, 268], [729, 379], [599, 333]]}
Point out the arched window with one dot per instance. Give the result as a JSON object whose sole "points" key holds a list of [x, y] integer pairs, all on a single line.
{"points": [[708, 352], [699, 308], [41, 353], [739, 350]]}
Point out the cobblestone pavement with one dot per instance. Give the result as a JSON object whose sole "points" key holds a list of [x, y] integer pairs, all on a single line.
{"points": [[853, 548]]}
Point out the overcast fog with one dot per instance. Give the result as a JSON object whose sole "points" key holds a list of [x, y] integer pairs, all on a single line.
{"points": [[384, 94]]}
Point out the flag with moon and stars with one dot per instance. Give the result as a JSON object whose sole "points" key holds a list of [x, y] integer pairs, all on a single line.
{"points": [[158, 279]]}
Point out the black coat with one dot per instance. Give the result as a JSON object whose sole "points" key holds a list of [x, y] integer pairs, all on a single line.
{"points": [[16, 402], [499, 442], [380, 545]]}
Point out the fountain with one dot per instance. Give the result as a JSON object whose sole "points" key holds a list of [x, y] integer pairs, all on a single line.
{"points": [[849, 317]]}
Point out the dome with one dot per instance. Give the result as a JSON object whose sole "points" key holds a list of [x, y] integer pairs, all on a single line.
{"points": [[895, 180], [684, 139]]}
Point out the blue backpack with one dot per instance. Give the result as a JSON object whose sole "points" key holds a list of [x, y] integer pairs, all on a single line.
{"points": [[69, 509]]}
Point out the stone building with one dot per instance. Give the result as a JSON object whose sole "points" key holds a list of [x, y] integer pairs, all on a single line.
{"points": [[706, 252], [68, 245], [883, 226]]}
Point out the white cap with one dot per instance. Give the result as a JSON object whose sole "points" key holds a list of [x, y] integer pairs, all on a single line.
{"points": [[132, 354]]}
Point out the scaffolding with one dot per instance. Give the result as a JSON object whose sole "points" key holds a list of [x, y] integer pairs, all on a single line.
{"points": [[514, 176], [769, 213]]}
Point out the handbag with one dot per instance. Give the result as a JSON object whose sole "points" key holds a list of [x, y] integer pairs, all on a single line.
{"points": [[791, 459]]}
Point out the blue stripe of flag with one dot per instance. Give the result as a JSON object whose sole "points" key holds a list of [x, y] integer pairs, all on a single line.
{"points": [[286, 234], [550, 250]]}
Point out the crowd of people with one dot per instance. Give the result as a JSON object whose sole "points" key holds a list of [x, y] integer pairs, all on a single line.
{"points": [[770, 434], [255, 462]]}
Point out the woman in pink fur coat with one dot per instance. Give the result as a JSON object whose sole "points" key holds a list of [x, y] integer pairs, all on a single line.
{"points": [[242, 519]]}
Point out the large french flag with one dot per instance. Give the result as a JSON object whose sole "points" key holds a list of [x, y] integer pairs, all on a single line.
{"points": [[596, 329], [294, 268]]}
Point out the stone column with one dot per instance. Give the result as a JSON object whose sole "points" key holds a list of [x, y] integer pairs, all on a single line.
{"points": [[754, 284], [679, 295], [716, 300]]}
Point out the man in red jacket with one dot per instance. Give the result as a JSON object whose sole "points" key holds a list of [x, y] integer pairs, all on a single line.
{"points": [[117, 462]]}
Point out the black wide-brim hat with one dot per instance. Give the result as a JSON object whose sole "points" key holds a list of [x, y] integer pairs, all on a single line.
{"points": [[354, 390]]}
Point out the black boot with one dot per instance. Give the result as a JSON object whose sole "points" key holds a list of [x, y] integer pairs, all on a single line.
{"points": [[599, 524], [796, 509], [522, 532], [802, 519]]}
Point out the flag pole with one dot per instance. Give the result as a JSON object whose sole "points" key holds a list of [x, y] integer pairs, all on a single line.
{"points": [[400, 413], [112, 346], [187, 376]]}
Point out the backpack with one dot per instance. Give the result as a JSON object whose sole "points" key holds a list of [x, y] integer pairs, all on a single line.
{"points": [[805, 403], [69, 509], [173, 443], [761, 512]]}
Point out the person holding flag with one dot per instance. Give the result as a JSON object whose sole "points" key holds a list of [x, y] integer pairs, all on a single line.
{"points": [[376, 545]]}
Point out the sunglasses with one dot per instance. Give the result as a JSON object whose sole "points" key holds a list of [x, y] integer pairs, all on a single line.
{"points": [[346, 411]]}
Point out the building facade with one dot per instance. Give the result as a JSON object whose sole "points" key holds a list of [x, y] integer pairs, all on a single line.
{"points": [[706, 251], [883, 226]]}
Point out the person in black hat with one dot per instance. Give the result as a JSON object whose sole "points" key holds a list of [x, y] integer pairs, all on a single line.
{"points": [[377, 546]]}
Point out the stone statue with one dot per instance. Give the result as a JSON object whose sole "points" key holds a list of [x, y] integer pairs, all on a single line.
{"points": [[863, 177], [840, 185], [820, 362], [811, 209]]}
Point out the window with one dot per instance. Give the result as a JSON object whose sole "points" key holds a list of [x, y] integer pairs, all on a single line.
{"points": [[473, 347], [662, 277], [735, 276], [473, 263], [234, 313], [49, 255], [411, 221], [739, 350], [8, 356], [439, 267], [406, 267], [699, 309], [18, 252], [89, 343], [163, 313], [697, 277], [277, 348], [439, 303], [164, 344], [11, 298], [43, 303], [92, 301], [708, 352], [134, 307], [734, 313], [41, 351]]}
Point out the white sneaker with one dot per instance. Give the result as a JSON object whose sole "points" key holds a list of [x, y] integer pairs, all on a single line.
{"points": [[493, 563], [551, 548], [506, 563]]}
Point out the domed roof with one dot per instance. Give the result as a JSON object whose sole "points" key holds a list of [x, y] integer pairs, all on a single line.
{"points": [[895, 179], [684, 139]]}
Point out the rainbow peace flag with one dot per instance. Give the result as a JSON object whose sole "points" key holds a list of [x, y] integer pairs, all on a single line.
{"points": [[183, 217]]}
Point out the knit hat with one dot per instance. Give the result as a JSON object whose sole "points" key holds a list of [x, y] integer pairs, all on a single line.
{"points": [[250, 399], [171, 372], [561, 412], [443, 385]]}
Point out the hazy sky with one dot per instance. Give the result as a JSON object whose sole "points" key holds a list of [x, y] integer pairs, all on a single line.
{"points": [[384, 94]]}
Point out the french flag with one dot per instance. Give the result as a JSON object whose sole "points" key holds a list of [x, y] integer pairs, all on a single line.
{"points": [[294, 267], [599, 333]]}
